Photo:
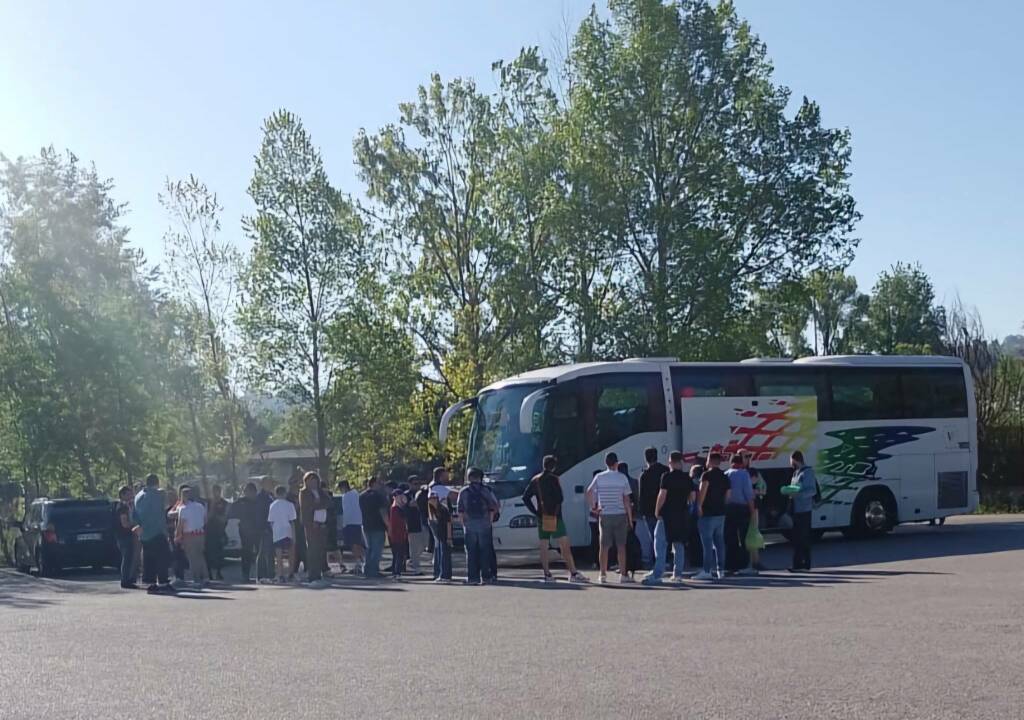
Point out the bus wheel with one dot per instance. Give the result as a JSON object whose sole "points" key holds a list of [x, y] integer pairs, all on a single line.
{"points": [[874, 513]]}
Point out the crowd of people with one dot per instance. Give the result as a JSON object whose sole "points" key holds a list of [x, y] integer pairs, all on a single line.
{"points": [[669, 514]]}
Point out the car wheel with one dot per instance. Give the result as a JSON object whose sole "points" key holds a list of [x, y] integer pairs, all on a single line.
{"points": [[874, 514], [46, 569]]}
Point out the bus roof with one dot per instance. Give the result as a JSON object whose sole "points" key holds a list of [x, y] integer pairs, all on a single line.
{"points": [[558, 372]]}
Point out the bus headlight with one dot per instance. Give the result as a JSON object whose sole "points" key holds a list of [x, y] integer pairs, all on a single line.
{"points": [[522, 521]]}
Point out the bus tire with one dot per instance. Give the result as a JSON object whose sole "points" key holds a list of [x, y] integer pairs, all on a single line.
{"points": [[874, 513]]}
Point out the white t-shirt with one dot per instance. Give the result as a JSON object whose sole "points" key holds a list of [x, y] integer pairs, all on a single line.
{"points": [[351, 514], [609, 487], [280, 517], [192, 517]]}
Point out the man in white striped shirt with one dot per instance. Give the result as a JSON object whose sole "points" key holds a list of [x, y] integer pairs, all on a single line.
{"points": [[608, 497]]}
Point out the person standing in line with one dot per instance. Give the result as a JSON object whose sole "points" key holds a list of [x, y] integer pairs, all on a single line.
{"points": [[633, 555], [694, 548], [803, 504], [608, 496], [136, 571], [150, 514], [398, 532], [546, 488], [313, 519], [422, 500], [299, 541], [281, 519], [266, 559], [714, 494], [373, 505], [191, 535], [760, 490], [649, 487], [332, 549], [416, 522], [216, 532], [125, 537], [352, 524], [440, 519], [738, 512], [672, 510], [477, 507], [178, 560], [251, 522]]}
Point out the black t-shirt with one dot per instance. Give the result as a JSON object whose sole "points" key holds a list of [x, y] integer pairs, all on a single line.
{"points": [[122, 511], [441, 518], [548, 490], [650, 483], [413, 520], [718, 486], [371, 503], [676, 509]]}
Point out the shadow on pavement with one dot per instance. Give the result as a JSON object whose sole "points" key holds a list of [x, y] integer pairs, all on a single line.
{"points": [[919, 542]]}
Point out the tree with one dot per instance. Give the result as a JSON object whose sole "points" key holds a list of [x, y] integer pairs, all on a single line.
{"points": [[711, 190], [80, 367], [203, 271], [435, 195], [902, 317], [837, 311], [308, 250]]}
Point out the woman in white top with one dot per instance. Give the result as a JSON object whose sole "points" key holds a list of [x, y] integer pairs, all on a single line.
{"points": [[191, 535]]}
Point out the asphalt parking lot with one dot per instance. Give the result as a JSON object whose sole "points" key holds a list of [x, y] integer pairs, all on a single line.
{"points": [[925, 623]]}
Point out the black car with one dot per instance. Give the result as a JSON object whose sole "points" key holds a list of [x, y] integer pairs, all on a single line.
{"points": [[58, 534]]}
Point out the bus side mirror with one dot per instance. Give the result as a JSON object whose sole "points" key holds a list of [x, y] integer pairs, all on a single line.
{"points": [[527, 408]]}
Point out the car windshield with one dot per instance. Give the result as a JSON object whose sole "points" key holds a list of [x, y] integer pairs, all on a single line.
{"points": [[495, 444]]}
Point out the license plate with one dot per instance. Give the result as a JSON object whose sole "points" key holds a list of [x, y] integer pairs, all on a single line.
{"points": [[90, 536]]}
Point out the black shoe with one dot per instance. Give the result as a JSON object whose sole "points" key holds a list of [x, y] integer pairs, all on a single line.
{"points": [[129, 586], [153, 589]]}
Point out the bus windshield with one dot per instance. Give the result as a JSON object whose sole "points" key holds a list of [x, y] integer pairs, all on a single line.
{"points": [[496, 445]]}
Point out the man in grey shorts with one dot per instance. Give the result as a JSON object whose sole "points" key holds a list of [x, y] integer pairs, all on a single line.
{"points": [[608, 496]]}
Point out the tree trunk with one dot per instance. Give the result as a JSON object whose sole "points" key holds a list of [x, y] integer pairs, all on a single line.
{"points": [[197, 438], [321, 423]]}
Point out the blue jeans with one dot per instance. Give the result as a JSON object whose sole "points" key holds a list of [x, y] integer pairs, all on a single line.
{"points": [[479, 551], [644, 530], [712, 537], [442, 554], [374, 550], [661, 552], [126, 546]]}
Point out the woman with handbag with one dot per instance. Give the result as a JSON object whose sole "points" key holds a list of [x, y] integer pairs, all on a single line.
{"points": [[547, 489]]}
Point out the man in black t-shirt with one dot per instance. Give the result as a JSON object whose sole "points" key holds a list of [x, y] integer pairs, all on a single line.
{"points": [[124, 536], [672, 508], [714, 494], [649, 487], [546, 488], [373, 505]]}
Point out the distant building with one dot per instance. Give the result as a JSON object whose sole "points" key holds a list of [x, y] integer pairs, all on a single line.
{"points": [[278, 461]]}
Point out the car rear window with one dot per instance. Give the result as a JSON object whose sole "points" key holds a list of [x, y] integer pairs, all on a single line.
{"points": [[97, 516]]}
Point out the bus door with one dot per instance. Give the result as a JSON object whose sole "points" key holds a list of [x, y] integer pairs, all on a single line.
{"points": [[953, 470], [767, 429]]}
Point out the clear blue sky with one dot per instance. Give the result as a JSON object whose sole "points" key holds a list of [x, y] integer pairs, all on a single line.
{"points": [[930, 90]]}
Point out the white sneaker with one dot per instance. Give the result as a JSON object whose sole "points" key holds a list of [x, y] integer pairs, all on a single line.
{"points": [[703, 576], [579, 578], [549, 578], [626, 580], [603, 579]]}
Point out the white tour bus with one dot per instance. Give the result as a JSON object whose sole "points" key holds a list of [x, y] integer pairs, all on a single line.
{"points": [[892, 439]]}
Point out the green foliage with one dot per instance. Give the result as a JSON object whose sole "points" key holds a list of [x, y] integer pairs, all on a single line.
{"points": [[308, 251], [902, 317]]}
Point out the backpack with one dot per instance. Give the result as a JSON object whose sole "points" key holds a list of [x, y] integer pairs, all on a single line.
{"points": [[817, 491], [477, 505]]}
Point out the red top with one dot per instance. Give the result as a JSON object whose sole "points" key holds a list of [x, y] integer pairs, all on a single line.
{"points": [[399, 530]]}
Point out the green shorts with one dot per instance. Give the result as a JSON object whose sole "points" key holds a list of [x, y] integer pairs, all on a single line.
{"points": [[559, 531]]}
